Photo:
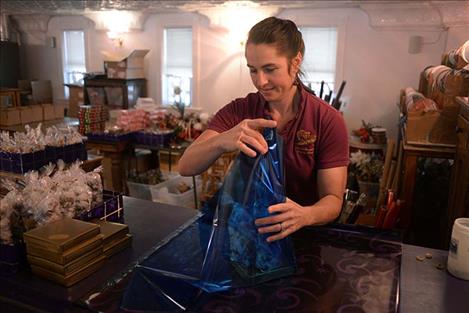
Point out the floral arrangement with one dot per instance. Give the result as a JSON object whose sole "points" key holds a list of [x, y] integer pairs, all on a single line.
{"points": [[366, 166], [185, 129], [364, 132]]}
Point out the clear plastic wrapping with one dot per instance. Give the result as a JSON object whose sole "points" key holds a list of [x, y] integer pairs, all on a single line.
{"points": [[47, 196], [222, 248]]}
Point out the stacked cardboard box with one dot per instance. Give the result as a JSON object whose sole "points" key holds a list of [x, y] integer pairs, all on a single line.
{"points": [[91, 118], [10, 116], [130, 67], [48, 111], [75, 99], [30, 114], [65, 251]]}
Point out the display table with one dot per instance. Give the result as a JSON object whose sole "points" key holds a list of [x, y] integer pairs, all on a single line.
{"points": [[423, 288], [356, 145], [148, 222], [171, 149], [113, 169], [117, 152], [426, 289]]}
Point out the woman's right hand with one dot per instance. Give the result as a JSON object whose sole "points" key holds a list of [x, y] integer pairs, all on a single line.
{"points": [[245, 136]]}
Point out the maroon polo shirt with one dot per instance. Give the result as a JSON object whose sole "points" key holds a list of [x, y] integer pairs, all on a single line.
{"points": [[315, 139]]}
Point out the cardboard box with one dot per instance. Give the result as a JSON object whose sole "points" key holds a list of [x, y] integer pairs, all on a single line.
{"points": [[122, 73], [127, 68], [36, 111], [48, 112], [59, 111], [75, 99], [26, 114], [436, 127], [10, 116]]}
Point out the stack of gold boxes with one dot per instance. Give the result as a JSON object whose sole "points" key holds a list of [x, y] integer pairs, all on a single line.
{"points": [[116, 237], [65, 251], [69, 250]]}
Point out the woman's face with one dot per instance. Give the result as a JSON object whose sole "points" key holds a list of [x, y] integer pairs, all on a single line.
{"points": [[269, 71]]}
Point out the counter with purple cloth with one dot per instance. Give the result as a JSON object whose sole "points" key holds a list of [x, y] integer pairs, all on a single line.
{"points": [[348, 269]]}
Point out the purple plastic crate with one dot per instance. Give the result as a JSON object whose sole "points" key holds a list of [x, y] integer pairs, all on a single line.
{"points": [[22, 162], [110, 137], [51, 154], [68, 154], [39, 158], [2, 156], [11, 258], [110, 210], [154, 139]]}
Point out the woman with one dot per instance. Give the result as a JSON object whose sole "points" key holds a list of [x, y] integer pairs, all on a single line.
{"points": [[314, 134]]}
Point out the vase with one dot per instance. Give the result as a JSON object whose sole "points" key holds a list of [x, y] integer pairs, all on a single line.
{"points": [[371, 189]]}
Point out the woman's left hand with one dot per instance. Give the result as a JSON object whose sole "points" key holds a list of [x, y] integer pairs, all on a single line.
{"points": [[290, 217]]}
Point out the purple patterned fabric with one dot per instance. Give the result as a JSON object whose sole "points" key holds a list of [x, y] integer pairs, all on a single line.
{"points": [[338, 271]]}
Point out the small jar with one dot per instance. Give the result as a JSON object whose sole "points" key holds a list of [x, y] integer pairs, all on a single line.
{"points": [[378, 135]]}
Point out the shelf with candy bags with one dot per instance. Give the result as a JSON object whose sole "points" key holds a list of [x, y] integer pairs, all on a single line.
{"points": [[43, 197], [22, 151], [30, 150], [128, 123]]}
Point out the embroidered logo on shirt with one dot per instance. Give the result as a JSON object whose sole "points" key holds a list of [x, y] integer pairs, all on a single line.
{"points": [[305, 142]]}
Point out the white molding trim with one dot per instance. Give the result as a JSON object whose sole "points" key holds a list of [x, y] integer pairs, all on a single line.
{"points": [[33, 28], [424, 15]]}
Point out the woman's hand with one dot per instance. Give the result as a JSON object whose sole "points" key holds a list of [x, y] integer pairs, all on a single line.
{"points": [[290, 217], [246, 136]]}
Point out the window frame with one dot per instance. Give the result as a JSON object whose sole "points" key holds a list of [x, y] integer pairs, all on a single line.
{"points": [[62, 47], [308, 18], [183, 20], [163, 67]]}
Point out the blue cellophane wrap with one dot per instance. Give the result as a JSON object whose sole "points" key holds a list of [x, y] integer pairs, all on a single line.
{"points": [[221, 248]]}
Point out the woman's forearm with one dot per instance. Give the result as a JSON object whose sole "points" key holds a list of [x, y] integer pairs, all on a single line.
{"points": [[200, 154], [325, 210]]}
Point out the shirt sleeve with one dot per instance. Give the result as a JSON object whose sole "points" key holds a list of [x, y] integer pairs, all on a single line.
{"points": [[226, 118], [333, 147]]}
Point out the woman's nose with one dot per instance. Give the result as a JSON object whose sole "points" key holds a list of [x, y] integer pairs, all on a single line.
{"points": [[261, 79]]}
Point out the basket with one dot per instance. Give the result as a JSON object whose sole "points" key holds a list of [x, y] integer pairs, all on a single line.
{"points": [[161, 139], [108, 137], [165, 192], [21, 163], [111, 209]]}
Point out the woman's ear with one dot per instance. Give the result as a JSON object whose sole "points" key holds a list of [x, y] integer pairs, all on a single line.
{"points": [[296, 62]]}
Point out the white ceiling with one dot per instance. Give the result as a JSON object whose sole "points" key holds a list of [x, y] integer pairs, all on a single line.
{"points": [[381, 13], [58, 7]]}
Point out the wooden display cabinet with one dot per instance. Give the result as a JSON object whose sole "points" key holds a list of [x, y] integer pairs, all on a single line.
{"points": [[114, 93], [458, 204]]}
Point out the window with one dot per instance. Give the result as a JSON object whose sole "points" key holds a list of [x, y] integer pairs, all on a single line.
{"points": [[319, 63], [74, 57], [177, 66]]}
